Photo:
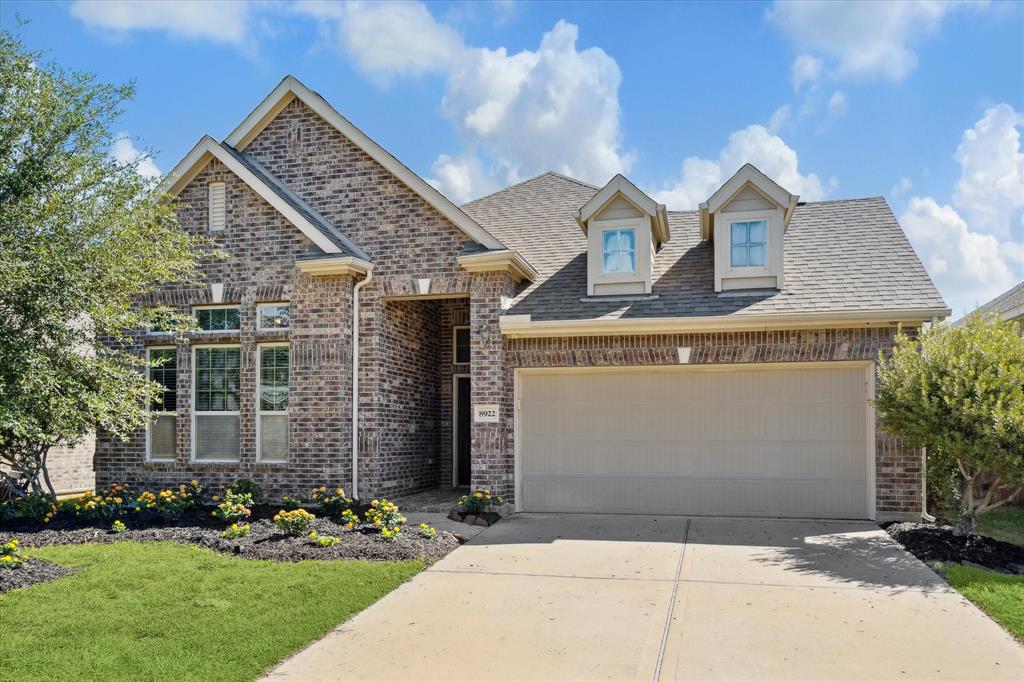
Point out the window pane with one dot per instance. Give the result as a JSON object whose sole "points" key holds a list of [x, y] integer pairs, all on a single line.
{"points": [[274, 316], [739, 233], [758, 230], [274, 438], [163, 437], [217, 379], [462, 345], [627, 240], [217, 437], [218, 319], [610, 241], [756, 256], [610, 262], [165, 374], [739, 256], [274, 379]]}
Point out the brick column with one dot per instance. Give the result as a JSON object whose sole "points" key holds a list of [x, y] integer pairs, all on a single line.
{"points": [[492, 456]]}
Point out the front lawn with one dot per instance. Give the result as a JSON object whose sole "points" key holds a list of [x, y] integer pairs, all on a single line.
{"points": [[1000, 596], [1005, 523], [167, 611]]}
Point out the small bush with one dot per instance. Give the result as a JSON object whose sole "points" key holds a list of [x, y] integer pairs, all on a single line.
{"points": [[349, 519], [291, 503], [170, 504], [118, 527], [293, 523], [385, 515], [38, 507], [333, 503], [10, 557], [427, 532], [101, 505], [234, 507], [322, 540], [244, 486], [478, 501], [236, 530]]}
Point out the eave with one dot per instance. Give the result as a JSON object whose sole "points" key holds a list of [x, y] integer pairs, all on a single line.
{"points": [[499, 261], [346, 265]]}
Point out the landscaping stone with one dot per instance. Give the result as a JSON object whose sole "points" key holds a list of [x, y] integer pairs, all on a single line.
{"points": [[939, 543], [454, 515], [470, 519], [479, 521], [32, 572]]}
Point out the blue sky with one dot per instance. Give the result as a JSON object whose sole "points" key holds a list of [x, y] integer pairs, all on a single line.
{"points": [[922, 102]]}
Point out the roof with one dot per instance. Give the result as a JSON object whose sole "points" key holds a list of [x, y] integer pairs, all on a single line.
{"points": [[846, 256], [291, 88], [1009, 304]]}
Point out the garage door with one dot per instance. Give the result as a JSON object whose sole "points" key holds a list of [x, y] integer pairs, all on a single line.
{"points": [[779, 441]]}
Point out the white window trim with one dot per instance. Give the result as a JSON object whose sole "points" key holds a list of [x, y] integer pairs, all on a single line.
{"points": [[259, 308], [219, 306], [149, 409], [208, 413], [636, 256], [455, 344], [766, 270], [270, 413]]}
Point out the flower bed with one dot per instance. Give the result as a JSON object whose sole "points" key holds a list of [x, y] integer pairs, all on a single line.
{"points": [[931, 543], [32, 572]]}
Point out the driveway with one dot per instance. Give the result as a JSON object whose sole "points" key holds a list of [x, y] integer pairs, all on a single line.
{"points": [[558, 597]]}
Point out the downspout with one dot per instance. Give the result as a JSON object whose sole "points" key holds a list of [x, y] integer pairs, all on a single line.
{"points": [[355, 379]]}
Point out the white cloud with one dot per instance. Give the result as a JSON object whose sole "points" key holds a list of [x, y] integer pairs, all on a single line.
{"points": [[222, 21], [837, 104], [991, 186], [901, 187], [780, 117], [753, 144], [806, 69], [865, 39], [124, 151]]}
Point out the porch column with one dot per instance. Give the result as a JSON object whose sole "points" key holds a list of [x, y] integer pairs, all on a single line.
{"points": [[491, 452]]}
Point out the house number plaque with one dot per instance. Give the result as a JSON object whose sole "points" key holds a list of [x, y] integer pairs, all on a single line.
{"points": [[487, 414]]}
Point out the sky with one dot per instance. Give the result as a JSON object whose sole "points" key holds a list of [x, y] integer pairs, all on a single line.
{"points": [[920, 102]]}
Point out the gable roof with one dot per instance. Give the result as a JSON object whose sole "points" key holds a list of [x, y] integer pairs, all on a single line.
{"points": [[291, 88], [866, 270], [747, 176], [621, 186], [1009, 304], [324, 235]]}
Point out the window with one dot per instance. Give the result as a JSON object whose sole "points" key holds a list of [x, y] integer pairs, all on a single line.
{"points": [[223, 318], [461, 342], [749, 241], [161, 435], [215, 383], [272, 316], [619, 253], [272, 413], [217, 206]]}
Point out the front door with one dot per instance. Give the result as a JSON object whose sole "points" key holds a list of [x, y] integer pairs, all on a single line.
{"points": [[463, 424]]}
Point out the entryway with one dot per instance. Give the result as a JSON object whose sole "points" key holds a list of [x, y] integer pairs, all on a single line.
{"points": [[462, 430]]}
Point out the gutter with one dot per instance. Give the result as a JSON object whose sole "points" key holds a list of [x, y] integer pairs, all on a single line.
{"points": [[355, 378]]}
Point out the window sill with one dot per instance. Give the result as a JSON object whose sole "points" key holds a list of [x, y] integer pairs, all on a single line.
{"points": [[619, 298]]}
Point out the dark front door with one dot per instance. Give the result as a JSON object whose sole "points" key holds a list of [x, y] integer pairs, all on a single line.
{"points": [[463, 424]]}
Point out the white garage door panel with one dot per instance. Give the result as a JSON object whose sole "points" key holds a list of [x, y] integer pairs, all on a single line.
{"points": [[762, 442]]}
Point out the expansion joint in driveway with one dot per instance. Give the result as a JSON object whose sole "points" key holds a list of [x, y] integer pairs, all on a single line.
{"points": [[671, 603]]}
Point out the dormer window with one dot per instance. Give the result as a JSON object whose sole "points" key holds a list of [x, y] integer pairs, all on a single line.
{"points": [[749, 244], [619, 253]]}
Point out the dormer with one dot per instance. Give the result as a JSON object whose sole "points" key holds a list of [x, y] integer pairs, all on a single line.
{"points": [[747, 219], [624, 228]]}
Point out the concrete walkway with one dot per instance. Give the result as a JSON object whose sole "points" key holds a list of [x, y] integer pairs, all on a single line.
{"points": [[570, 597]]}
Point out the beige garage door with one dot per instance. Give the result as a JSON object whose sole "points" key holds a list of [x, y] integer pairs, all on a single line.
{"points": [[779, 441]]}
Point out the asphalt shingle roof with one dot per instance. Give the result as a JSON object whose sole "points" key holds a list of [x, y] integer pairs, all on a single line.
{"points": [[840, 256], [1014, 298]]}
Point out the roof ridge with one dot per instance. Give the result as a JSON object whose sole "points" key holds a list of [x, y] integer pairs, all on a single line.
{"points": [[529, 180]]}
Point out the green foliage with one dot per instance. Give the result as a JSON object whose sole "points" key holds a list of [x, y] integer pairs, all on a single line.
{"points": [[118, 527], [959, 392], [234, 507], [236, 531], [293, 523], [246, 487], [291, 503], [385, 515], [479, 500], [170, 504], [100, 505], [322, 541], [1005, 523], [82, 236], [332, 503], [10, 555], [36, 506], [201, 615]]}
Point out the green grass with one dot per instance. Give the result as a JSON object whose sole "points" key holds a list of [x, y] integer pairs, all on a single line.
{"points": [[1000, 596], [1005, 523], [164, 611]]}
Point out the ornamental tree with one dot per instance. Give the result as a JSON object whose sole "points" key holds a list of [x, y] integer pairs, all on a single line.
{"points": [[959, 392], [81, 236]]}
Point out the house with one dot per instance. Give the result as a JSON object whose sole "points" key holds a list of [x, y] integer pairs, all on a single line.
{"points": [[570, 347], [1009, 305]]}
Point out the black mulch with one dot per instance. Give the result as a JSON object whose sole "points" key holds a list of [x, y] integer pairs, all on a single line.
{"points": [[939, 543], [32, 572], [263, 542]]}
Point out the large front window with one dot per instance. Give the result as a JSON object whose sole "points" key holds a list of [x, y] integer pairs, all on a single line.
{"points": [[217, 379], [163, 426], [272, 394], [749, 244], [619, 251]]}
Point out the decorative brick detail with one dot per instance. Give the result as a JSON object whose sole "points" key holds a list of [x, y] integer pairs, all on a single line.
{"points": [[898, 469]]}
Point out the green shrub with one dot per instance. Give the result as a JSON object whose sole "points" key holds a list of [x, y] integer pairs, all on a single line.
{"points": [[101, 505], [293, 523], [236, 530], [426, 531], [170, 504], [234, 507], [244, 486], [10, 557], [118, 527], [35, 506], [385, 515], [349, 519], [291, 503], [478, 501], [332, 503], [322, 541]]}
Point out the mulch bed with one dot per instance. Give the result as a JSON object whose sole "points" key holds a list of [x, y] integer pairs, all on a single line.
{"points": [[939, 543], [264, 541], [32, 572]]}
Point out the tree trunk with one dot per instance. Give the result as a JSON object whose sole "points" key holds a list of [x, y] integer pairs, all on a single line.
{"points": [[968, 520]]}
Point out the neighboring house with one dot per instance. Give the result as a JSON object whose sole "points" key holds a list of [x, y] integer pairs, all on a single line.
{"points": [[570, 347], [1008, 305]]}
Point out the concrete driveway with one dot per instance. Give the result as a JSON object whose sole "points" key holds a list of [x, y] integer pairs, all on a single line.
{"points": [[560, 597]]}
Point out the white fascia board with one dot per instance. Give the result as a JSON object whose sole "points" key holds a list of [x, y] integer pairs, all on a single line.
{"points": [[291, 87], [499, 261], [347, 265], [621, 185], [206, 149], [749, 174], [522, 326]]}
